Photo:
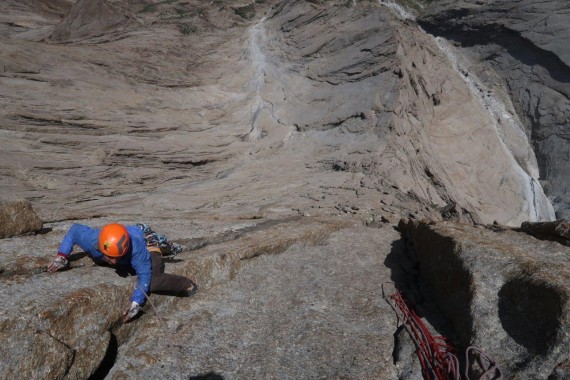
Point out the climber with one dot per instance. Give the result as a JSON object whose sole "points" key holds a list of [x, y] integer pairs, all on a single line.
{"points": [[125, 248]]}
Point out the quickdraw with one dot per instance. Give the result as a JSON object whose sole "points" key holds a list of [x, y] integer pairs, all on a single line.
{"points": [[159, 243]]}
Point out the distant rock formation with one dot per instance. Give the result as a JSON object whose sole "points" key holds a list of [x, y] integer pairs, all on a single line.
{"points": [[522, 47], [394, 89], [356, 101], [57, 7]]}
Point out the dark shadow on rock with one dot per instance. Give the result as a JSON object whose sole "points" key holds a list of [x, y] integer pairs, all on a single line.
{"points": [[108, 360], [171, 260], [43, 231], [407, 279], [519, 47], [183, 294], [124, 271], [558, 231], [166, 293], [207, 376], [530, 313], [403, 266]]}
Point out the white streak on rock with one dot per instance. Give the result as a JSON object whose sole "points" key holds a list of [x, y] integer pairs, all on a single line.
{"points": [[257, 58], [264, 70], [400, 12], [523, 160]]}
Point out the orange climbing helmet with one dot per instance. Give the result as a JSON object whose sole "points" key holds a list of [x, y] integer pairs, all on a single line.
{"points": [[114, 240]]}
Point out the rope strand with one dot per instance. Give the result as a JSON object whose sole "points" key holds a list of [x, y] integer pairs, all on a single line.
{"points": [[436, 354], [170, 346]]}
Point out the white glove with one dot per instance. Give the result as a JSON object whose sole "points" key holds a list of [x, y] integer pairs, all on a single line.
{"points": [[59, 263], [131, 311]]}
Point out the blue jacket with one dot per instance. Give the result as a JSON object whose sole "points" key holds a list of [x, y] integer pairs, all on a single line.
{"points": [[137, 257]]}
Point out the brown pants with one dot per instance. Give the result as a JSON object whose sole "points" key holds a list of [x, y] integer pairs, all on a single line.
{"points": [[164, 282]]}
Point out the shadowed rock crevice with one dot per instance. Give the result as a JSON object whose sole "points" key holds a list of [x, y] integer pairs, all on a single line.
{"points": [[108, 360], [207, 376], [436, 274], [451, 285], [406, 274], [505, 292]]}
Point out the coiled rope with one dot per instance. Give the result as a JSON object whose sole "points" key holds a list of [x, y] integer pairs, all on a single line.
{"points": [[436, 354]]}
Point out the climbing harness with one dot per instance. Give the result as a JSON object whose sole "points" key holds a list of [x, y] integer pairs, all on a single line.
{"points": [[159, 243], [437, 356]]}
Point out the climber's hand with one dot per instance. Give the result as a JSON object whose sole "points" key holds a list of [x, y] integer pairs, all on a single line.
{"points": [[131, 311], [59, 263]]}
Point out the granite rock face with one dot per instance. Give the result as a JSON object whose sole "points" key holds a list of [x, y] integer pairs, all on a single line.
{"points": [[360, 110], [279, 141], [504, 292], [520, 49], [303, 313], [276, 314], [17, 218]]}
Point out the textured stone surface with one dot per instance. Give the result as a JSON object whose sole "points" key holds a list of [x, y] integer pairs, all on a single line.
{"points": [[89, 18], [243, 130], [74, 316], [17, 218], [190, 108], [309, 312], [504, 292]]}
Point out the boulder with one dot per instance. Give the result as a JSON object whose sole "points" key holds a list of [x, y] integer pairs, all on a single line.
{"points": [[17, 218], [504, 292]]}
